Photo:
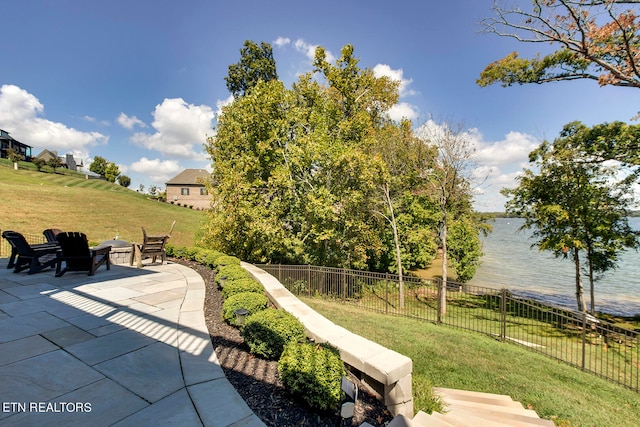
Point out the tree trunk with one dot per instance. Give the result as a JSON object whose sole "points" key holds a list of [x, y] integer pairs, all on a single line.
{"points": [[396, 241], [592, 309], [579, 287]]}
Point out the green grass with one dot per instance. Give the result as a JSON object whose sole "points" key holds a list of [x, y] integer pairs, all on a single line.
{"points": [[33, 201], [447, 357]]}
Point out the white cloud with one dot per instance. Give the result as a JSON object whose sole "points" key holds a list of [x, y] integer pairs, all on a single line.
{"points": [[402, 110], [179, 127], [20, 113], [499, 163], [514, 149], [129, 122], [309, 50], [159, 171], [381, 70], [282, 41]]}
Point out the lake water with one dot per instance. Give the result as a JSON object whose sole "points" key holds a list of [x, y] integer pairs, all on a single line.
{"points": [[510, 262]]}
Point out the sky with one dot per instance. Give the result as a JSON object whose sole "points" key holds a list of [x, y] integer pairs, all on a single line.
{"points": [[141, 82]]}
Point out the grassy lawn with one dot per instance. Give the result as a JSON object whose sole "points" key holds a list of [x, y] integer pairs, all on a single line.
{"points": [[446, 357], [33, 201]]}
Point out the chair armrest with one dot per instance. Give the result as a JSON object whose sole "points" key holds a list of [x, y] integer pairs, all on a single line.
{"points": [[45, 249], [102, 251]]}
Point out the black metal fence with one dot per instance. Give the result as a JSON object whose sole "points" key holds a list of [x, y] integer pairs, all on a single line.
{"points": [[576, 338]]}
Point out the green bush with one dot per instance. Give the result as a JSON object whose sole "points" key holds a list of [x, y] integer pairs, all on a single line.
{"points": [[268, 331], [251, 301], [232, 272], [312, 372], [227, 260], [211, 260], [237, 286]]}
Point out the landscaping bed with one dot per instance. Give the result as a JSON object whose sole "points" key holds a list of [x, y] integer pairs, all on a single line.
{"points": [[257, 380]]}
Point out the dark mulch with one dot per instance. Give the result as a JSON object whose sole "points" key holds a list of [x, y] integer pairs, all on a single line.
{"points": [[257, 380]]}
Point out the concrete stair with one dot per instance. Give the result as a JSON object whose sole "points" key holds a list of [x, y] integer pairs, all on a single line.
{"points": [[470, 408]]}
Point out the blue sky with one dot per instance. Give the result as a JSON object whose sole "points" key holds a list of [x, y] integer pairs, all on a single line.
{"points": [[140, 82]]}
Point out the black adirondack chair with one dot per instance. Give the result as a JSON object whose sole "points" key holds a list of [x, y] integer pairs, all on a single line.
{"points": [[50, 234], [77, 255], [34, 257]]}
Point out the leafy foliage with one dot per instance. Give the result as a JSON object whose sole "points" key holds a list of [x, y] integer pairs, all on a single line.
{"points": [[319, 174], [251, 301], [313, 373], [124, 180], [241, 285], [598, 40], [268, 331], [575, 202], [256, 64]]}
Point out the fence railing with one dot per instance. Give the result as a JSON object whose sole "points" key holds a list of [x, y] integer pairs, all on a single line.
{"points": [[575, 338], [5, 247]]}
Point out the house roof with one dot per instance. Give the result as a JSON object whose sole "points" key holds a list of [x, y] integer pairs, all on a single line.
{"points": [[4, 135], [47, 154], [190, 177]]}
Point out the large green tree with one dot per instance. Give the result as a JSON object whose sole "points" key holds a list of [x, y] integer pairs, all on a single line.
{"points": [[256, 64], [593, 39], [575, 205], [320, 174]]}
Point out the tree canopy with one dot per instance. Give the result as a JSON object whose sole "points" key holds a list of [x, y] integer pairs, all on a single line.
{"points": [[320, 174], [594, 39], [575, 204], [256, 64]]}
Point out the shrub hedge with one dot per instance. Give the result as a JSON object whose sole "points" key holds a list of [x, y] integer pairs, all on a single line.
{"points": [[313, 372], [251, 301], [268, 331], [241, 285]]}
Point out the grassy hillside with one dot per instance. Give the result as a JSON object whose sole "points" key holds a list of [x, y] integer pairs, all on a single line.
{"points": [[31, 201]]}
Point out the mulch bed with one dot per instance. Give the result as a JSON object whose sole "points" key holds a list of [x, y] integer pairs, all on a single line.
{"points": [[257, 380]]}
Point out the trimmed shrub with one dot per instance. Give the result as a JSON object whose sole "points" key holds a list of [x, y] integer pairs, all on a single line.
{"points": [[251, 301], [237, 286], [313, 372], [228, 260], [232, 272], [211, 260], [268, 331]]}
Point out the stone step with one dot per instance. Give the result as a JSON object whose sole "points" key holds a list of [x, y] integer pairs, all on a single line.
{"points": [[467, 420], [465, 394], [450, 404], [515, 420], [476, 409], [423, 419]]}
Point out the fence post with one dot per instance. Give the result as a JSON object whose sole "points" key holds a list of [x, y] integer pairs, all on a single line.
{"points": [[344, 284], [503, 314], [584, 338], [309, 278], [386, 293]]}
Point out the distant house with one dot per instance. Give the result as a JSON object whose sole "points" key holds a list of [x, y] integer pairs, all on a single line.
{"points": [[187, 188], [7, 142], [67, 161]]}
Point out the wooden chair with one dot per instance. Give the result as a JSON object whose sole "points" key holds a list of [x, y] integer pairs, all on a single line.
{"points": [[151, 247], [77, 255], [23, 255], [50, 234]]}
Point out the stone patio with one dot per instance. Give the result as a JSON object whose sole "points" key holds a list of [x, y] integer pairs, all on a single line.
{"points": [[126, 347]]}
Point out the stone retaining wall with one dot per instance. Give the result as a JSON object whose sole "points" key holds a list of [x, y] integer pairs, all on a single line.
{"points": [[385, 371]]}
